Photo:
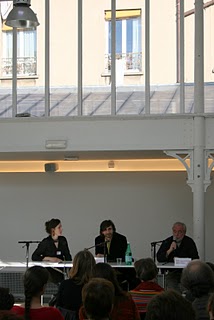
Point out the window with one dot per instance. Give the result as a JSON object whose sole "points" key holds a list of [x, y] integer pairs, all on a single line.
{"points": [[128, 40], [26, 52]]}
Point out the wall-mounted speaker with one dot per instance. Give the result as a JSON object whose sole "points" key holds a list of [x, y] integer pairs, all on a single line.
{"points": [[51, 167]]}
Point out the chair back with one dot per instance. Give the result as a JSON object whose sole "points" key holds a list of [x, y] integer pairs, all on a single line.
{"points": [[68, 314]]}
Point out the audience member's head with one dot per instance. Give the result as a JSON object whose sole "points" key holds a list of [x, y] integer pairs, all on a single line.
{"points": [[6, 299], [83, 265], [146, 269], [98, 298], [198, 278], [104, 270], [169, 305], [210, 306], [35, 280], [9, 315]]}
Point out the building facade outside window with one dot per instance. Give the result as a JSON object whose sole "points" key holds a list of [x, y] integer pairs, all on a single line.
{"points": [[26, 52]]}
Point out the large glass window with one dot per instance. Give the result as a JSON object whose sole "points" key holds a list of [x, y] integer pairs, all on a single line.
{"points": [[128, 40], [26, 52]]}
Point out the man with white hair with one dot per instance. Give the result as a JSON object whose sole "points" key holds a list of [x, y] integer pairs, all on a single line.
{"points": [[178, 245]]}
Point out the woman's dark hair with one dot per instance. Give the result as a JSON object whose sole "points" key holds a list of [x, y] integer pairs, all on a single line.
{"points": [[6, 299], [35, 278], [104, 270], [146, 269], [106, 224], [51, 224], [83, 265], [98, 298]]}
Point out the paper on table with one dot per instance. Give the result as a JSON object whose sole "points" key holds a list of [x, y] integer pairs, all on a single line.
{"points": [[181, 261]]}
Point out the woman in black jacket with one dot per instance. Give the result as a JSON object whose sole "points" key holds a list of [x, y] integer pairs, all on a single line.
{"points": [[54, 248]]}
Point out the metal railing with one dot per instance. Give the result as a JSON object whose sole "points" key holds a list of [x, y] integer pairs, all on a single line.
{"points": [[132, 61]]}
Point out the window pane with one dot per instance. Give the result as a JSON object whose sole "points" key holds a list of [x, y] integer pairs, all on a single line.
{"points": [[26, 53], [129, 36], [119, 36]]}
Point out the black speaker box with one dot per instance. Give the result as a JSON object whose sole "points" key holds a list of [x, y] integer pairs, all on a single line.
{"points": [[51, 167]]}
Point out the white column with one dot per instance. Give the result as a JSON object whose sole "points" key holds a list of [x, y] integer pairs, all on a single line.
{"points": [[80, 58], [198, 187], [199, 133], [113, 57], [14, 71], [147, 57], [47, 58]]}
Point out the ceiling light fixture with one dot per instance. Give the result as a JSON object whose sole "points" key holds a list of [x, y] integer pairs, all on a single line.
{"points": [[21, 16], [111, 164]]}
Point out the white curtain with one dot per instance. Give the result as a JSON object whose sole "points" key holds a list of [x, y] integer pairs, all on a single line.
{"points": [[136, 36], [26, 43]]}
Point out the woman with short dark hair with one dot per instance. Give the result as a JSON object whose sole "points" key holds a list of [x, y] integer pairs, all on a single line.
{"points": [[98, 299], [146, 272]]}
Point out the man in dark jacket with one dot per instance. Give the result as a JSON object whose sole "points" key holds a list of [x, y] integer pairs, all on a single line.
{"points": [[110, 243], [178, 245]]}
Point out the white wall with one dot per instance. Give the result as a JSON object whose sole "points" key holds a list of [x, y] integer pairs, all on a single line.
{"points": [[142, 205]]}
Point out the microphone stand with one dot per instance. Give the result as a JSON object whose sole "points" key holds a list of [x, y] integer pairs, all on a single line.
{"points": [[100, 245], [153, 249], [105, 256], [27, 245]]}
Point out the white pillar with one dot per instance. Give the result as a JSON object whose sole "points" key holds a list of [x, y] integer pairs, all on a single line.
{"points": [[199, 133], [198, 188]]}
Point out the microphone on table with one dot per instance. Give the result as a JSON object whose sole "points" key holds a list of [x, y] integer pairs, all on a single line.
{"points": [[29, 241], [101, 244], [156, 242]]}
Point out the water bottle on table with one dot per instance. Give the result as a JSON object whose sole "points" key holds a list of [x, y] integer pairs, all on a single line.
{"points": [[128, 255]]}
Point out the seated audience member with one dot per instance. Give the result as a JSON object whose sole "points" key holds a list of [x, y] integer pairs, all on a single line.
{"points": [[169, 305], [210, 306], [110, 242], [146, 271], [69, 295], [98, 299], [177, 245], [198, 279], [9, 315], [35, 281], [124, 306], [6, 299]]}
